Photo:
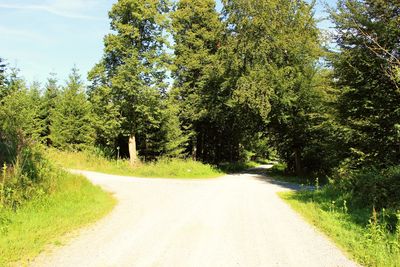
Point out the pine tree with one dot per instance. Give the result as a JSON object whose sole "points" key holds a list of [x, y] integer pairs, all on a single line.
{"points": [[2, 74], [72, 117], [51, 92], [174, 138]]}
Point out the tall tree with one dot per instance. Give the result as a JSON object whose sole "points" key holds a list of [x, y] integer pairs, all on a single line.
{"points": [[205, 113], [366, 71], [19, 119], [271, 50], [72, 117], [134, 63], [107, 122], [51, 92]]}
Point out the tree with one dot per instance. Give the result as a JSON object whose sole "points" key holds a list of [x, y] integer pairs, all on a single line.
{"points": [[71, 119], [11, 83], [134, 64], [51, 92], [366, 73], [205, 113], [174, 138], [2, 73], [19, 119], [271, 52], [107, 121]]}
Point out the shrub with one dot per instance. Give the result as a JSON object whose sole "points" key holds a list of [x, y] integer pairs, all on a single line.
{"points": [[24, 178], [372, 187]]}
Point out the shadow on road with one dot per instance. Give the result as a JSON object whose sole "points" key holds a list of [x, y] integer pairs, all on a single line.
{"points": [[261, 173]]}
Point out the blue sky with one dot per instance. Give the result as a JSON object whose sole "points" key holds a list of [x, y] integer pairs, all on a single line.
{"points": [[43, 36]]}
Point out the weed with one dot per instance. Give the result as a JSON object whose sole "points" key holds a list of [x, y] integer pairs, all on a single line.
{"points": [[367, 237]]}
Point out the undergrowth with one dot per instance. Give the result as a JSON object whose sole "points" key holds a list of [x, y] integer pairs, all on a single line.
{"points": [[40, 204]]}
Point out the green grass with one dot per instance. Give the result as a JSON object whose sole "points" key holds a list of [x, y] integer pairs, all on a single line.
{"points": [[364, 240], [45, 220], [165, 168]]}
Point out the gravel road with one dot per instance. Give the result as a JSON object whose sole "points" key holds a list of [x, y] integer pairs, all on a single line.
{"points": [[236, 220]]}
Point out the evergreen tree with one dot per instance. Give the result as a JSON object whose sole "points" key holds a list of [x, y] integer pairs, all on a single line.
{"points": [[51, 92], [134, 64], [19, 119], [71, 119], [205, 114], [2, 74], [107, 122], [174, 138], [366, 71], [11, 83]]}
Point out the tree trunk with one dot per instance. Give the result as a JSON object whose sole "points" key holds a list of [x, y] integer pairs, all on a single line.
{"points": [[297, 162], [132, 149], [194, 150]]}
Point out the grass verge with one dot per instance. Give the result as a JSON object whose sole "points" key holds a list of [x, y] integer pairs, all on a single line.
{"points": [[366, 239], [26, 232], [165, 168], [234, 167]]}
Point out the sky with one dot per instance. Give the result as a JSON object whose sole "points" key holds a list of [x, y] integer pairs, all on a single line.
{"points": [[51, 36]]}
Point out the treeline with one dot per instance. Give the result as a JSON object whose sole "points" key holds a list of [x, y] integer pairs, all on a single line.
{"points": [[254, 79]]}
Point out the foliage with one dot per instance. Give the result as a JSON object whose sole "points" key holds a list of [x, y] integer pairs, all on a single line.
{"points": [[19, 123], [174, 138], [25, 179], [51, 92], [371, 187], [2, 76], [196, 29], [71, 119], [46, 219], [107, 120], [369, 101], [133, 67]]}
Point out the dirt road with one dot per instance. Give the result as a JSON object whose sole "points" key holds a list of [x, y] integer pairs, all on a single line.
{"points": [[236, 220]]}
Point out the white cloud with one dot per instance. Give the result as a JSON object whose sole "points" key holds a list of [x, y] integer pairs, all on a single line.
{"points": [[66, 8]]}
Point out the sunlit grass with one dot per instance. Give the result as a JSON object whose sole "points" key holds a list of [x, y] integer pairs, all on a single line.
{"points": [[45, 220], [163, 168], [366, 241]]}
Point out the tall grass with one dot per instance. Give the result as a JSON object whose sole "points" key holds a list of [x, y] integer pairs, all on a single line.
{"points": [[39, 203], [371, 238], [164, 168], [45, 219]]}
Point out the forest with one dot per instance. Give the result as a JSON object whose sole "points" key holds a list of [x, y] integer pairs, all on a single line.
{"points": [[258, 80]]}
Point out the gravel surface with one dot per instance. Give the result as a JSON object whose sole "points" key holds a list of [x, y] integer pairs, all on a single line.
{"points": [[236, 220]]}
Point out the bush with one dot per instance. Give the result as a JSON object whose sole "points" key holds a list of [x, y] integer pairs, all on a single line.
{"points": [[373, 188], [24, 178]]}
